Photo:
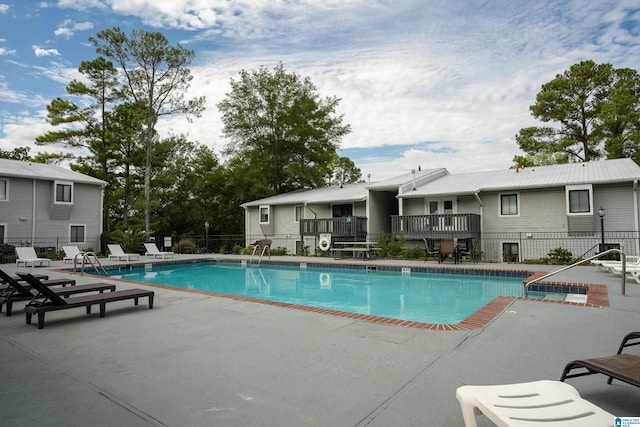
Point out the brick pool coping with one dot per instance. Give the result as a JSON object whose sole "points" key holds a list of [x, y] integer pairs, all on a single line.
{"points": [[597, 295]]}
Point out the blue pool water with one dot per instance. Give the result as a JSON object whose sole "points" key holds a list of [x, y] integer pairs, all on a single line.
{"points": [[420, 297]]}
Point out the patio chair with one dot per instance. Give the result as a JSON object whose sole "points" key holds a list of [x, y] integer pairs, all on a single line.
{"points": [[448, 248], [27, 255], [431, 248], [469, 248], [71, 253], [621, 366], [51, 301], [550, 403], [16, 291], [116, 252], [154, 252]]}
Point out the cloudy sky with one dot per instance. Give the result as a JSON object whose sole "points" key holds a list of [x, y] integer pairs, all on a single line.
{"points": [[430, 83]]}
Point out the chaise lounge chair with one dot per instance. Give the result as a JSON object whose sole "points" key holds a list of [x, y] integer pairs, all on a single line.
{"points": [[154, 252], [118, 254], [52, 302], [621, 366], [27, 255], [16, 291], [72, 253], [537, 403]]}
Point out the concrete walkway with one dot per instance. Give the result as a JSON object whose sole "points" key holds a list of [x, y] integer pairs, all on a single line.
{"points": [[200, 360]]}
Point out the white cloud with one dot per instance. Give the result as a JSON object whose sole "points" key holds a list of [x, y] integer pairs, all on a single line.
{"points": [[4, 51], [69, 28], [4, 8], [38, 51]]}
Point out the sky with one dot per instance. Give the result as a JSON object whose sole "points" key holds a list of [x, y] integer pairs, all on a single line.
{"points": [[423, 83]]}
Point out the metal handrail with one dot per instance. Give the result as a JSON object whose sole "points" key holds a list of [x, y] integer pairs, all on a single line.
{"points": [[624, 270], [86, 256]]}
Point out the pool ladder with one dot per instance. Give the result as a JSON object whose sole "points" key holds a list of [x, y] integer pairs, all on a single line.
{"points": [[86, 258], [623, 258], [265, 245]]}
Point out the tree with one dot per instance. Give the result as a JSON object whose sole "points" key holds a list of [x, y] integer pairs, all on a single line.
{"points": [[87, 125], [18, 153], [281, 132], [344, 172], [620, 117], [573, 100], [155, 75]]}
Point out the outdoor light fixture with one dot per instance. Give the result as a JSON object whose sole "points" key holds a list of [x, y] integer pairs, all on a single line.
{"points": [[206, 236], [602, 213]]}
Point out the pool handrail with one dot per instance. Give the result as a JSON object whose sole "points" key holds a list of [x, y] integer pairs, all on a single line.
{"points": [[623, 258]]}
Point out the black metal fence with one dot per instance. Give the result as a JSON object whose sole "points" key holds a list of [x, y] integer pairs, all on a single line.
{"points": [[497, 247]]}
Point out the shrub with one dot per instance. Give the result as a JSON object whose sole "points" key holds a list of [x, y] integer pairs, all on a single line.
{"points": [[185, 246], [390, 246], [278, 251], [415, 252], [130, 241], [560, 256]]}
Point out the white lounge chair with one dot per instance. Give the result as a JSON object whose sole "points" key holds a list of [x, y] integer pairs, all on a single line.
{"points": [[27, 256], [118, 254], [549, 403], [71, 252], [606, 264], [154, 252]]}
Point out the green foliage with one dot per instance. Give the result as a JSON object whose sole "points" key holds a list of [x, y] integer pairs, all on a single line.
{"points": [[390, 246], [18, 153], [560, 256], [130, 241], [153, 75], [237, 249], [186, 246], [595, 110], [279, 251], [283, 135], [416, 252]]}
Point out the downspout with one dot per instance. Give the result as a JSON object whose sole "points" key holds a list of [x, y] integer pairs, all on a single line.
{"points": [[477, 196], [636, 218], [33, 213]]}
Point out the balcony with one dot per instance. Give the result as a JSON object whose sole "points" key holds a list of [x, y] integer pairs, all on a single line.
{"points": [[346, 228], [460, 226]]}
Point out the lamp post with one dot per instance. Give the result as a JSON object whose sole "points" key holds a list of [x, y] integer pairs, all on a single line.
{"points": [[602, 213], [206, 236]]}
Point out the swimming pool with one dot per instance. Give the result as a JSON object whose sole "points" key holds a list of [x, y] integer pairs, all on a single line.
{"points": [[413, 296]]}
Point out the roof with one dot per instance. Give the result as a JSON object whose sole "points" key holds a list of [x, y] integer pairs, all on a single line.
{"points": [[348, 193], [406, 180], [43, 171], [597, 172]]}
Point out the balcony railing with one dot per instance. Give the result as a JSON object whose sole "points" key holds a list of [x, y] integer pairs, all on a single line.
{"points": [[349, 228], [462, 226]]}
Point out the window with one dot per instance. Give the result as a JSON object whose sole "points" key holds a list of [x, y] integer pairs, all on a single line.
{"points": [[509, 204], [298, 213], [510, 252], [64, 192], [340, 211], [264, 214], [579, 200], [3, 227], [4, 190], [76, 233]]}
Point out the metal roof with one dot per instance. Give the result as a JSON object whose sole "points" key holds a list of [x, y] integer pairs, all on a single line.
{"points": [[348, 193], [43, 171], [596, 172], [421, 177]]}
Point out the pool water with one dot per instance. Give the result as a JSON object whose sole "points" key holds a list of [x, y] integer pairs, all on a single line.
{"points": [[420, 297]]}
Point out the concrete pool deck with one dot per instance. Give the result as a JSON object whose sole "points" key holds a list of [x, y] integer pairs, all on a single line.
{"points": [[201, 360]]}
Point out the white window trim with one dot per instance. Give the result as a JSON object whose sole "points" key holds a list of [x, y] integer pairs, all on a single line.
{"points": [[268, 208], [6, 190], [85, 232], [3, 237], [570, 188], [55, 191], [295, 209], [517, 194]]}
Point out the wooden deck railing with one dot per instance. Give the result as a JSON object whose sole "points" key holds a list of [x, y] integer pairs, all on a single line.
{"points": [[463, 226], [350, 228]]}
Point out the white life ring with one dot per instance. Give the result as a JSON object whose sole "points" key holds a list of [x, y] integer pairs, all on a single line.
{"points": [[324, 244]]}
